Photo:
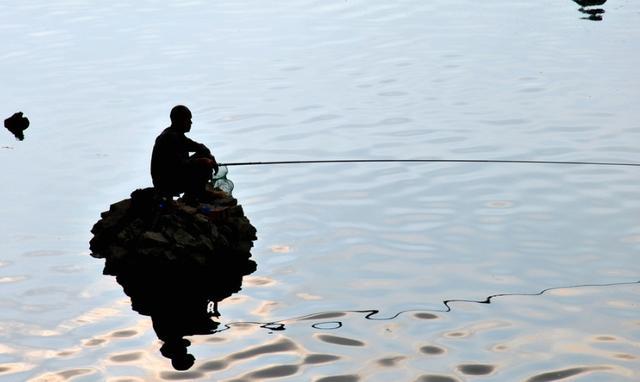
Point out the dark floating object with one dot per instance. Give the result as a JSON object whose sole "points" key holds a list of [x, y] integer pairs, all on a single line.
{"points": [[176, 261], [17, 124], [589, 3], [594, 14]]}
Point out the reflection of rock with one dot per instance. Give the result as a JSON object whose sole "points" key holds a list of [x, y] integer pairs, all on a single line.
{"points": [[17, 124], [176, 261]]}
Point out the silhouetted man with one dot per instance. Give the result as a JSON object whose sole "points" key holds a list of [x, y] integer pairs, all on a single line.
{"points": [[172, 169]]}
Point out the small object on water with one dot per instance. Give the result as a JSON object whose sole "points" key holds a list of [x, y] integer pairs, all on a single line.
{"points": [[589, 3], [17, 124], [586, 7]]}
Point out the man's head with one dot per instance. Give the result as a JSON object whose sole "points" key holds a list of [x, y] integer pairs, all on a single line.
{"points": [[181, 118]]}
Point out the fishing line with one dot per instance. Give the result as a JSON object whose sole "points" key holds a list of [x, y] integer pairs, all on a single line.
{"points": [[221, 181], [372, 314], [431, 161]]}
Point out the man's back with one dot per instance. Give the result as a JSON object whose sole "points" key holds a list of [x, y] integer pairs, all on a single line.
{"points": [[169, 159]]}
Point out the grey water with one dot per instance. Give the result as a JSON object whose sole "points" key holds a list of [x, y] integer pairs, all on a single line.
{"points": [[366, 272]]}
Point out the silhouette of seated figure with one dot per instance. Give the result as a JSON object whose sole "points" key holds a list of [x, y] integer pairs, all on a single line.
{"points": [[173, 170]]}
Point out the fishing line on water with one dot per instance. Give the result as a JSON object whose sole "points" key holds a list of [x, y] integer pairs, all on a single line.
{"points": [[373, 314]]}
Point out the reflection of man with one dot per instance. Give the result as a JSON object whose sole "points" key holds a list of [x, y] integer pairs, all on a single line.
{"points": [[172, 169], [177, 296], [178, 315]]}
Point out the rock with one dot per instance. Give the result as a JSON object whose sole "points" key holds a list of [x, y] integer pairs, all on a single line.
{"points": [[147, 230], [154, 239], [17, 124]]}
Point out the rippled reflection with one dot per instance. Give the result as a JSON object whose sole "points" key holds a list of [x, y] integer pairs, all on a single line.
{"points": [[181, 301], [588, 8]]}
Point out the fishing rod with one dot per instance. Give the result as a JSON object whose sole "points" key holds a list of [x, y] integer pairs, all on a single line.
{"points": [[509, 161], [220, 178]]}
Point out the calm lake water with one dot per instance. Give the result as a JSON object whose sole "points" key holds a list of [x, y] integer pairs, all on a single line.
{"points": [[376, 272]]}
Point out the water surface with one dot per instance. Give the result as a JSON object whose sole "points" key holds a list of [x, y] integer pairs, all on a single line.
{"points": [[355, 262]]}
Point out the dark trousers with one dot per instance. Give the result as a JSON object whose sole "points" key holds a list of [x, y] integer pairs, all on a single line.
{"points": [[196, 177], [190, 179]]}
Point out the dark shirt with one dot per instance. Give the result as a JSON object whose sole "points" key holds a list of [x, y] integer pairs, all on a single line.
{"points": [[170, 160]]}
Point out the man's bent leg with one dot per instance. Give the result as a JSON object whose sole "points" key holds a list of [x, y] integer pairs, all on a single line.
{"points": [[197, 176]]}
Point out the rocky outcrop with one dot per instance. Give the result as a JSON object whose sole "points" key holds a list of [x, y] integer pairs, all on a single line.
{"points": [[149, 230]]}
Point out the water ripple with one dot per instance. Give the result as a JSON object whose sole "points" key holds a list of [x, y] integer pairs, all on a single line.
{"points": [[331, 79], [566, 373]]}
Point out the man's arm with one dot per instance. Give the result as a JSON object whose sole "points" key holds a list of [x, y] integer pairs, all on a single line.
{"points": [[196, 147], [207, 159]]}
